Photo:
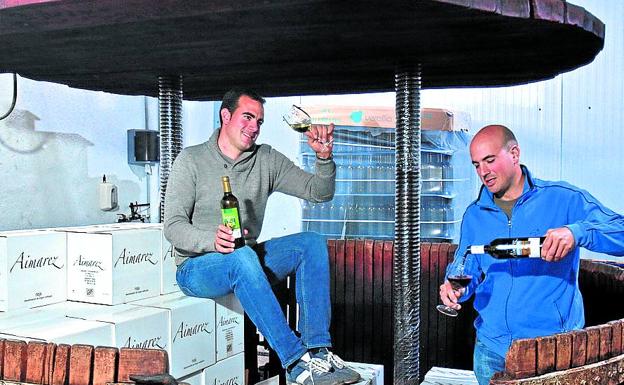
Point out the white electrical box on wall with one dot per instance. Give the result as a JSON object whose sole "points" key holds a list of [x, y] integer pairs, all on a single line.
{"points": [[107, 195]]}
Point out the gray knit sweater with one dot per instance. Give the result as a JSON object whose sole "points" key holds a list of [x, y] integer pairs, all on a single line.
{"points": [[194, 191]]}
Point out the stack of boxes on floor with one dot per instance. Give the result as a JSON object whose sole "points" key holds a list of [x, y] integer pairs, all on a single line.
{"points": [[114, 285]]}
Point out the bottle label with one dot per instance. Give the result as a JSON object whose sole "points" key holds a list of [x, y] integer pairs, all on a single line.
{"points": [[479, 249], [534, 248], [230, 219], [516, 249]]}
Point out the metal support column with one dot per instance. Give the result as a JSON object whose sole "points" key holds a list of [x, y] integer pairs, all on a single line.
{"points": [[170, 114], [406, 264]]}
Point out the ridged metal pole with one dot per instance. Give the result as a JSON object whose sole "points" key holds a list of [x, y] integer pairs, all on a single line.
{"points": [[170, 121], [406, 264]]}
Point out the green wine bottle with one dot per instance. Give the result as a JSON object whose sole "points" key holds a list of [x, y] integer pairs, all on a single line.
{"points": [[230, 213]]}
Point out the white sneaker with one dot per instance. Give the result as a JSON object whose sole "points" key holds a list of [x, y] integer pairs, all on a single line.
{"points": [[312, 371], [342, 370]]}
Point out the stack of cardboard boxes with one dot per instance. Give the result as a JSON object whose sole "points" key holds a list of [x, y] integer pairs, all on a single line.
{"points": [[114, 285]]}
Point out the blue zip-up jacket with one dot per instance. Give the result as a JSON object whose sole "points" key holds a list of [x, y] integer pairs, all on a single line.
{"points": [[530, 297]]}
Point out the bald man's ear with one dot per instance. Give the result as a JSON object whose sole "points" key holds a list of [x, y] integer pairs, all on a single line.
{"points": [[515, 153], [225, 116]]}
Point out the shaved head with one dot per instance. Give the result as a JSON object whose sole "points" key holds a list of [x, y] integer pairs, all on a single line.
{"points": [[498, 132], [495, 154]]}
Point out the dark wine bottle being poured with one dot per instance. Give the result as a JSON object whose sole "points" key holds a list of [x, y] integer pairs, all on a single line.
{"points": [[506, 248]]}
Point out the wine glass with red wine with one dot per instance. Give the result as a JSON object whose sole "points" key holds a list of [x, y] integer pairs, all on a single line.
{"points": [[300, 121], [458, 280]]}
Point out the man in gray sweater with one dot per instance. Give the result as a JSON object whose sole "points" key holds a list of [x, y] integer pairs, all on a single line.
{"points": [[208, 264]]}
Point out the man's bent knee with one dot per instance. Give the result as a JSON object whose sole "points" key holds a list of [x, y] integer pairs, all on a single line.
{"points": [[245, 262]]}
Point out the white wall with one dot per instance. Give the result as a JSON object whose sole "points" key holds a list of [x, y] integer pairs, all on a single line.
{"points": [[59, 142], [54, 149]]}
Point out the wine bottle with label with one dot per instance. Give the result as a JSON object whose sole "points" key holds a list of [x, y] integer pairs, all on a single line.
{"points": [[230, 213], [506, 248]]}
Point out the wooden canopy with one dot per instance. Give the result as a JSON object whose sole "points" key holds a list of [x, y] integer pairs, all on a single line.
{"points": [[292, 47]]}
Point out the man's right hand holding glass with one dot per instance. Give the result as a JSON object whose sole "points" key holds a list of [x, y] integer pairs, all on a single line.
{"points": [[450, 296]]}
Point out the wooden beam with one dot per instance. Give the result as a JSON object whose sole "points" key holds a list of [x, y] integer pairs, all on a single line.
{"points": [[546, 354], [617, 334], [141, 361], [105, 360], [593, 344], [521, 359], [579, 348], [551, 10], [48, 366], [36, 353], [564, 351], [608, 372], [80, 364], [15, 358], [2, 357], [60, 372], [605, 341]]}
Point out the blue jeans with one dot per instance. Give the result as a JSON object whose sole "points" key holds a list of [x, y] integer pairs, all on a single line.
{"points": [[486, 363], [249, 273]]}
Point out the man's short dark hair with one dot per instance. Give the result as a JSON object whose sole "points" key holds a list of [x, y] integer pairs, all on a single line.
{"points": [[230, 99]]}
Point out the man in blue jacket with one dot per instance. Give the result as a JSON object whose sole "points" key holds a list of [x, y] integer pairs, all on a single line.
{"points": [[526, 297]]}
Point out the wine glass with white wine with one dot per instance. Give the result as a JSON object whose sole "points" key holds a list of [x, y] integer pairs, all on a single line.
{"points": [[300, 121]]}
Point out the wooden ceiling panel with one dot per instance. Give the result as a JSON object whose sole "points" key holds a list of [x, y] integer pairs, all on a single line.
{"points": [[292, 47]]}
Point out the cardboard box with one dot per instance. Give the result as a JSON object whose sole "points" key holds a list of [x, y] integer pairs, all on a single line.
{"points": [[448, 376], [113, 266], [133, 326], [168, 283], [385, 117], [230, 321], [26, 316], [66, 331], [196, 378], [33, 268], [372, 374], [5, 336], [192, 331], [86, 228], [230, 371]]}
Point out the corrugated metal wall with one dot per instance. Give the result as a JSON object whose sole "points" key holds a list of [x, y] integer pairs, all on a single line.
{"points": [[570, 127], [593, 113], [532, 111]]}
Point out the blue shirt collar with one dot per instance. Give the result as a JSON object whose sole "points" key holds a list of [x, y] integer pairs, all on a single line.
{"points": [[486, 198]]}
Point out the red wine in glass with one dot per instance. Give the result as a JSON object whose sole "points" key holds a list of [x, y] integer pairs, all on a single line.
{"points": [[458, 281]]}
